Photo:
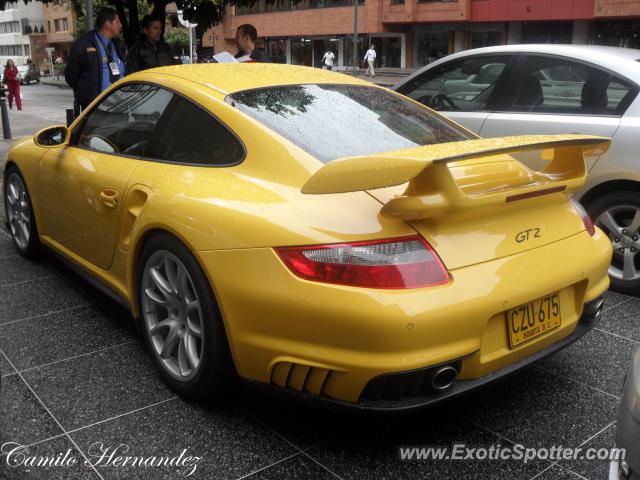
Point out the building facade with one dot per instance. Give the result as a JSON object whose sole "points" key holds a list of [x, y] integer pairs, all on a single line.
{"points": [[411, 33], [17, 21], [60, 22]]}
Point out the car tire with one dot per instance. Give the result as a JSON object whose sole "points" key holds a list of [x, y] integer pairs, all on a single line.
{"points": [[22, 222], [200, 365], [614, 213]]}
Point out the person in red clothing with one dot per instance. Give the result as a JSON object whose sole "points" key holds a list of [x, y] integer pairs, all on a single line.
{"points": [[12, 81]]}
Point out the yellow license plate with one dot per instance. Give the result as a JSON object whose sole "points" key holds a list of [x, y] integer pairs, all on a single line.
{"points": [[533, 319]]}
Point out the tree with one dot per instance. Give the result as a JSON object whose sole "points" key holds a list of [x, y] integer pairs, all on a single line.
{"points": [[178, 39], [206, 13], [129, 11]]}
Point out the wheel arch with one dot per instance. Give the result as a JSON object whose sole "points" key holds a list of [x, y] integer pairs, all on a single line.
{"points": [[7, 166], [142, 239], [606, 187]]}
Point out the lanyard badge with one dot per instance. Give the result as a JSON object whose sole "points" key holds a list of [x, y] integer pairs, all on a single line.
{"points": [[115, 71]]}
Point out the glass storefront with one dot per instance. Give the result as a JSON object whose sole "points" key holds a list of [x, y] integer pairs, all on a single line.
{"points": [[485, 39], [430, 46], [308, 51], [616, 33], [321, 45], [547, 32], [363, 46], [301, 51], [276, 49], [388, 51]]}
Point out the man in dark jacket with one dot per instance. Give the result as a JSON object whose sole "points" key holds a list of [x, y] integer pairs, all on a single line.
{"points": [[149, 51], [96, 59], [246, 37]]}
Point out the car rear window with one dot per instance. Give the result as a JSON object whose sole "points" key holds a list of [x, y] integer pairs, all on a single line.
{"points": [[334, 121]]}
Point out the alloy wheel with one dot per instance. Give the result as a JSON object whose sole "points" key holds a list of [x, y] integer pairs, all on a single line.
{"points": [[18, 210], [172, 315], [622, 224]]}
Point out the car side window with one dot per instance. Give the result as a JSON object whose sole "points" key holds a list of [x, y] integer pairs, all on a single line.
{"points": [[560, 86], [191, 135], [464, 85], [123, 122]]}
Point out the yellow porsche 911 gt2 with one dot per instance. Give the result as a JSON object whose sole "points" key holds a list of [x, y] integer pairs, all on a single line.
{"points": [[307, 230]]}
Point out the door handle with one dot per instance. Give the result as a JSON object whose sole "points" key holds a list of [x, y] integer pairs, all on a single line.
{"points": [[109, 197]]}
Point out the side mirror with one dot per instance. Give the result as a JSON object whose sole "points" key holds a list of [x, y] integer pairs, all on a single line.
{"points": [[52, 136]]}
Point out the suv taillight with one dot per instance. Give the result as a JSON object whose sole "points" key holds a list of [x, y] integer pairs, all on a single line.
{"points": [[406, 262]]}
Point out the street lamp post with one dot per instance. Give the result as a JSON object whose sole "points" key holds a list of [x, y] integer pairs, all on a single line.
{"points": [[190, 26], [355, 35]]}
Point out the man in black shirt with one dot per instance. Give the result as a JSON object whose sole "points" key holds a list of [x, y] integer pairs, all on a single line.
{"points": [[246, 37], [149, 50]]}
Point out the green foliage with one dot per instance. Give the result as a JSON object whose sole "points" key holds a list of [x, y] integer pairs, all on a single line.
{"points": [[177, 38], [205, 13]]}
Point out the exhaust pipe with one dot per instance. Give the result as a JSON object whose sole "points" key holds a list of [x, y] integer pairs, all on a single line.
{"points": [[443, 378]]}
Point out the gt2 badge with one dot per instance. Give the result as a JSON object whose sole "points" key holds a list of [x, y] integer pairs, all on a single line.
{"points": [[527, 234]]}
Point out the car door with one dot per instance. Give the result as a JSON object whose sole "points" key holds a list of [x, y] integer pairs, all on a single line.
{"points": [[558, 95], [82, 184], [463, 89]]}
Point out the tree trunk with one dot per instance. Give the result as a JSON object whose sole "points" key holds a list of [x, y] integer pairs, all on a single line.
{"points": [[134, 22]]}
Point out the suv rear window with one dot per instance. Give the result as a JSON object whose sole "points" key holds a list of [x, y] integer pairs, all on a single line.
{"points": [[334, 121]]}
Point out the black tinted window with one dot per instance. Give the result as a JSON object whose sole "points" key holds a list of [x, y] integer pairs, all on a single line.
{"points": [[189, 134], [124, 121], [554, 85], [464, 85], [333, 121]]}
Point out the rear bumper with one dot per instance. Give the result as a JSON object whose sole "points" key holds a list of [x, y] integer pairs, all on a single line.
{"points": [[331, 340], [592, 313]]}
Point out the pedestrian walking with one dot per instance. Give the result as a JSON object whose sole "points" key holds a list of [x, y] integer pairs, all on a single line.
{"points": [[150, 50], [246, 37], [11, 79], [95, 60], [328, 59], [370, 58]]}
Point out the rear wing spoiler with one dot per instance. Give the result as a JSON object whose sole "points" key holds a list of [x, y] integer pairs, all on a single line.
{"points": [[432, 188]]}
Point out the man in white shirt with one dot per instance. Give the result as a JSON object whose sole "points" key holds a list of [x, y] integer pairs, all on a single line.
{"points": [[328, 59], [370, 58]]}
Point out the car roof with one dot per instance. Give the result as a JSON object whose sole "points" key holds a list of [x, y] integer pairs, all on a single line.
{"points": [[562, 49], [234, 77], [623, 61]]}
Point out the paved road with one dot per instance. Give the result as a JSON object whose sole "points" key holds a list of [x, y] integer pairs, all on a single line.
{"points": [[74, 372], [42, 105]]}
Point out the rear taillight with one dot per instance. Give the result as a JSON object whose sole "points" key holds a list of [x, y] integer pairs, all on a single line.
{"points": [[586, 219], [407, 262]]}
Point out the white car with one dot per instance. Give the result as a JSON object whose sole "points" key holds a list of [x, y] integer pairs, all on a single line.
{"points": [[548, 89]]}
